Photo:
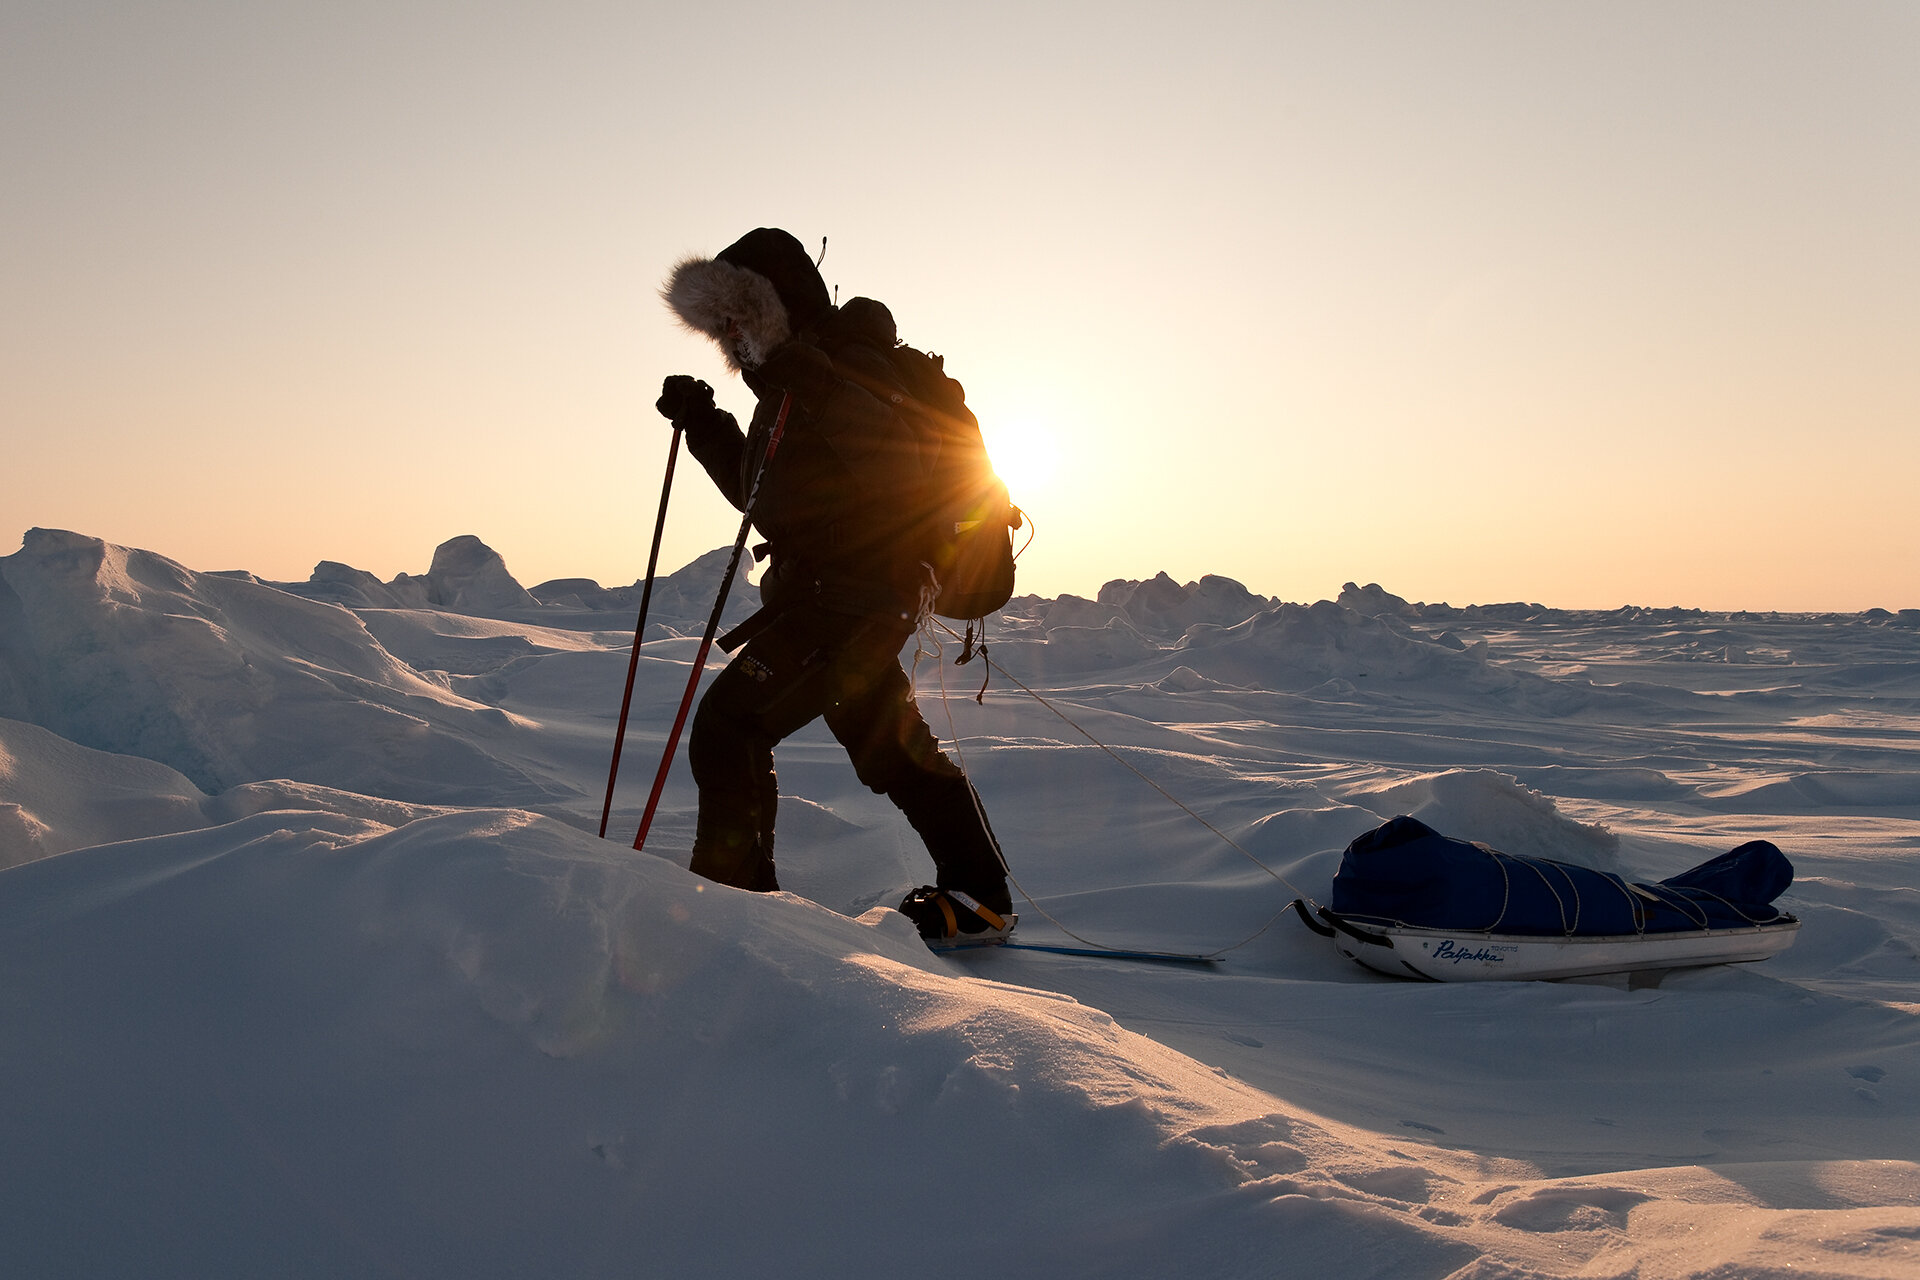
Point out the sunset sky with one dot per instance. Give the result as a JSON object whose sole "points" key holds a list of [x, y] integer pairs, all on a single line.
{"points": [[1587, 304]]}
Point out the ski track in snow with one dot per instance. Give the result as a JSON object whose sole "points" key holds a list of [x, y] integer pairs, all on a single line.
{"points": [[313, 966]]}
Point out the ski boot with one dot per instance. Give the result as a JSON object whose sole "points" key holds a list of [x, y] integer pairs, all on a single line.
{"points": [[948, 918]]}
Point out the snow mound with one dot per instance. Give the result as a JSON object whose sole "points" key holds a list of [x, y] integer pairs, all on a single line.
{"points": [[1187, 680], [1164, 607], [1494, 809], [434, 640], [1375, 601], [468, 574], [280, 998], [60, 796], [229, 681], [516, 1008], [1285, 648], [1293, 648], [682, 598], [342, 584], [482, 1043]]}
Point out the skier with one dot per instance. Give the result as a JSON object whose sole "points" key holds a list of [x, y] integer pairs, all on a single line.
{"points": [[844, 587]]}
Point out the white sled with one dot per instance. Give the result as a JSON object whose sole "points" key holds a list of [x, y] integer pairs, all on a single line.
{"points": [[1437, 955]]}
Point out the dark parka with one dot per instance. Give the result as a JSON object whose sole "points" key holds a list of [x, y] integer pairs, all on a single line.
{"points": [[843, 504], [837, 498]]}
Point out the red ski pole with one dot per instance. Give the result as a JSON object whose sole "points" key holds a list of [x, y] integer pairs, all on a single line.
{"points": [[713, 625], [639, 630]]}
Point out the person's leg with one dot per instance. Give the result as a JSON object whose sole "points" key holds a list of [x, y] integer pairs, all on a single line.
{"points": [[896, 754], [775, 685]]}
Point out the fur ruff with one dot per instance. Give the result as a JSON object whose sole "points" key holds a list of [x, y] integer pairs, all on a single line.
{"points": [[705, 294]]}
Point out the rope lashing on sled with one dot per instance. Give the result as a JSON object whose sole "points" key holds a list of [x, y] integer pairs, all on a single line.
{"points": [[954, 734], [1690, 904], [1568, 927], [1690, 907]]}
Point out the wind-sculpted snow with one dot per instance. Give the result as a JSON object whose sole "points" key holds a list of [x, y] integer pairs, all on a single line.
{"points": [[56, 795], [59, 795], [581, 1058], [1164, 607], [1321, 648], [1297, 647], [1498, 810], [652, 1057], [469, 575], [230, 681], [681, 600], [466, 575], [297, 984]]}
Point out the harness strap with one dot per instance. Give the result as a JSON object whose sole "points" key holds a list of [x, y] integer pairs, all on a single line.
{"points": [[755, 623]]}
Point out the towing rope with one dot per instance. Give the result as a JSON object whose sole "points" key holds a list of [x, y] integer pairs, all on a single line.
{"points": [[928, 636]]}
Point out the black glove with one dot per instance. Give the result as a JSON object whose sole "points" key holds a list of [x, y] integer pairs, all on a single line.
{"points": [[682, 396]]}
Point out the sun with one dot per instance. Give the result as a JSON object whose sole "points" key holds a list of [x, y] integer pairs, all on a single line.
{"points": [[1025, 453]]}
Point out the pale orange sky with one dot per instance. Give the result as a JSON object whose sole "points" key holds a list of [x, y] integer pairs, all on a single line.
{"points": [[1588, 304]]}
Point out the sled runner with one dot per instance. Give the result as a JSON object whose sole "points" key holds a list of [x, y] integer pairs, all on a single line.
{"points": [[1412, 903], [1440, 955]]}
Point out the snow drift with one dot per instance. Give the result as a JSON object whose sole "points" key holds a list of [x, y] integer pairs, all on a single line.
{"points": [[312, 968]]}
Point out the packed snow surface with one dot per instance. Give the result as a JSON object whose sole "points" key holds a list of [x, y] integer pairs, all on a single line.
{"points": [[311, 963]]}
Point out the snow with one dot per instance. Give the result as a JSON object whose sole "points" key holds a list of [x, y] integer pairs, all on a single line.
{"points": [[313, 966]]}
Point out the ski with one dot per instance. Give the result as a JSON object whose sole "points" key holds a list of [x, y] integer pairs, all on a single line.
{"points": [[1103, 953], [966, 944], [1117, 953]]}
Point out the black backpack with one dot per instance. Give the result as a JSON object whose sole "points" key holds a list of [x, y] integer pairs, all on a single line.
{"points": [[966, 535]]}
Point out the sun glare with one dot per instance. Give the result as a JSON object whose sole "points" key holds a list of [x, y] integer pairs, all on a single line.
{"points": [[1025, 452]]}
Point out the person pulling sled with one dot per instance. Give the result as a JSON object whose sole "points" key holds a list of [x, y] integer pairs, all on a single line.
{"points": [[852, 466]]}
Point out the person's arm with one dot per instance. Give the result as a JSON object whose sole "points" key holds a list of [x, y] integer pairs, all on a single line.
{"points": [[713, 435]]}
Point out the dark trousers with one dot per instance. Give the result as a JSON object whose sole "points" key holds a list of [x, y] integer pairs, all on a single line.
{"points": [[808, 662]]}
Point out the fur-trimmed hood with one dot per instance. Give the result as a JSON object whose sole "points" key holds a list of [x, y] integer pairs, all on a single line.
{"points": [[750, 297]]}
